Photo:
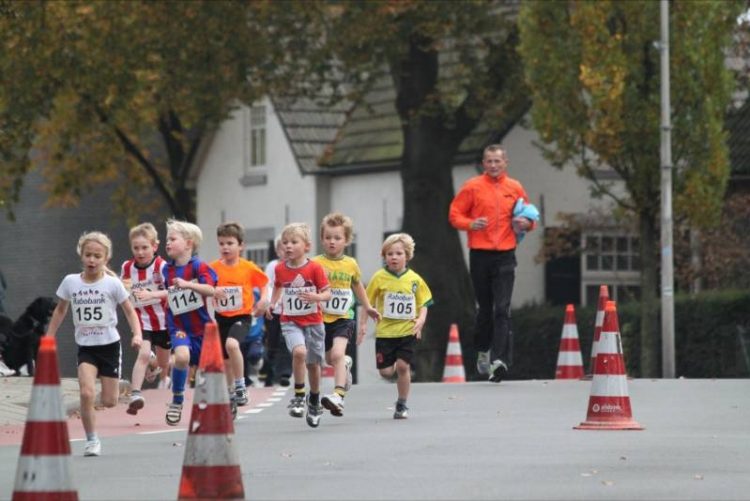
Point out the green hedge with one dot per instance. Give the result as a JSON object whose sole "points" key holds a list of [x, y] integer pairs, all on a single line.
{"points": [[708, 332]]}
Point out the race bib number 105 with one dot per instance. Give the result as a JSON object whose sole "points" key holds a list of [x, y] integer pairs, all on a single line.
{"points": [[399, 306], [184, 300]]}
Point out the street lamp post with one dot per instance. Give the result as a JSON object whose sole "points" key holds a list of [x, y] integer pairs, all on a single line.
{"points": [[667, 257]]}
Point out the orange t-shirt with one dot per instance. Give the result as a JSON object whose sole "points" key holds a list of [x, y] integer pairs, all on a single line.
{"points": [[493, 198], [238, 281]]}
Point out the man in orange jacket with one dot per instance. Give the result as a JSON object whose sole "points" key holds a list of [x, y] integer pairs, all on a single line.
{"points": [[484, 209]]}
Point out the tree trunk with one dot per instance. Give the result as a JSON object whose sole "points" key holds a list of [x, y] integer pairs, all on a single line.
{"points": [[650, 352], [428, 190]]}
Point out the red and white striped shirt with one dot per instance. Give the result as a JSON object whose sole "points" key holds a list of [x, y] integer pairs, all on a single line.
{"points": [[152, 313]]}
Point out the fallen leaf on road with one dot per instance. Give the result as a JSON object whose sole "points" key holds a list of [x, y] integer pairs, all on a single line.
{"points": [[607, 483], [698, 477], [623, 458]]}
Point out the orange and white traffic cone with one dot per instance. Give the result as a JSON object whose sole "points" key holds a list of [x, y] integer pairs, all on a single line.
{"points": [[43, 471], [211, 468], [609, 403], [603, 298], [453, 372], [569, 361]]}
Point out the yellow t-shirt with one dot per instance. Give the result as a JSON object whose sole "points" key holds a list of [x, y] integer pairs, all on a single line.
{"points": [[342, 273], [239, 281], [398, 298]]}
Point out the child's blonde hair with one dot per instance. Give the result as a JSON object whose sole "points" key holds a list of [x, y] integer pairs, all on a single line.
{"points": [[335, 219], [101, 239], [301, 230], [231, 229], [189, 231], [145, 230], [405, 239]]}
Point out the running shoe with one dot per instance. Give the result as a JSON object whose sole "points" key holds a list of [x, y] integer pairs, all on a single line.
{"points": [[313, 414], [93, 448], [401, 412], [240, 395], [498, 371], [174, 414], [483, 363], [297, 406], [333, 403], [136, 403]]}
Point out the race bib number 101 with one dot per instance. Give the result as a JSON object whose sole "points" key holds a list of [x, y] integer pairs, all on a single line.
{"points": [[232, 302], [184, 300]]}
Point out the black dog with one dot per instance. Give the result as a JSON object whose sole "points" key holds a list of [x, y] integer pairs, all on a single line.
{"points": [[19, 344]]}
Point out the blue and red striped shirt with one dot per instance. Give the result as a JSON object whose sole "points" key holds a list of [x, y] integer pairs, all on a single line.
{"points": [[193, 322]]}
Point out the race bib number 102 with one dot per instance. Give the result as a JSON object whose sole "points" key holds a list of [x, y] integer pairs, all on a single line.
{"points": [[294, 306]]}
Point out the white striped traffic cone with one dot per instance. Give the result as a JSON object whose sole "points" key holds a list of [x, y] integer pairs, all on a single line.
{"points": [[453, 372], [603, 298], [43, 471], [211, 468], [609, 403], [569, 361]]}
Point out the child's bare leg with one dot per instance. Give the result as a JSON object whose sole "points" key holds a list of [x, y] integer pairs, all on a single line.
{"points": [[235, 363], [403, 383], [139, 368], [163, 360], [313, 373], [299, 354], [110, 391], [335, 358], [87, 387]]}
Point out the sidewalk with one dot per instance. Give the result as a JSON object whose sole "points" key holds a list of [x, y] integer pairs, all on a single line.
{"points": [[15, 393]]}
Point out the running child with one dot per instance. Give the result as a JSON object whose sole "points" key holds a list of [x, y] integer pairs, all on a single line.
{"points": [[143, 276], [402, 298], [301, 284], [234, 303], [94, 296], [188, 280], [344, 275]]}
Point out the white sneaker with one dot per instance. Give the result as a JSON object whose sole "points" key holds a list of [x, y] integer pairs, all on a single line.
{"points": [[333, 403], [498, 371], [165, 383], [348, 362], [136, 403], [93, 448], [5, 370], [174, 414]]}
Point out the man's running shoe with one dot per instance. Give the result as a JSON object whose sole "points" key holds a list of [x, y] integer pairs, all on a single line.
{"points": [[136, 403], [297, 406], [174, 414], [93, 448], [348, 362], [401, 412], [233, 406], [498, 371], [333, 403], [483, 363], [313, 414], [241, 395]]}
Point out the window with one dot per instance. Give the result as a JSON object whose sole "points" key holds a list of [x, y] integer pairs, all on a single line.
{"points": [[255, 127], [612, 259], [259, 253]]}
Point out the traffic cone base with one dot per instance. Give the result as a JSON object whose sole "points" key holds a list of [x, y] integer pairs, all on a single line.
{"points": [[609, 403], [211, 467], [43, 471], [569, 361], [453, 372]]}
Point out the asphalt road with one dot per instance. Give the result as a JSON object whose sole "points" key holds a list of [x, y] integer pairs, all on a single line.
{"points": [[462, 441]]}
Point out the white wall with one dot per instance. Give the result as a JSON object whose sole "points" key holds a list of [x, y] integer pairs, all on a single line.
{"points": [[287, 196]]}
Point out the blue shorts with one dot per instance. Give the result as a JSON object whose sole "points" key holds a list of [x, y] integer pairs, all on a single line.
{"points": [[194, 344]]}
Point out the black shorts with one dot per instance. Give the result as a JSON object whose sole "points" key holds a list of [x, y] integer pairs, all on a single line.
{"points": [[158, 338], [106, 358], [225, 324], [342, 327], [388, 349]]}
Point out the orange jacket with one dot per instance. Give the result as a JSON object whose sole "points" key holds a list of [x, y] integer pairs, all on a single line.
{"points": [[494, 199]]}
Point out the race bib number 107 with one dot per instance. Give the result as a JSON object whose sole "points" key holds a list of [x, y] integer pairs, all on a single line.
{"points": [[340, 302]]}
